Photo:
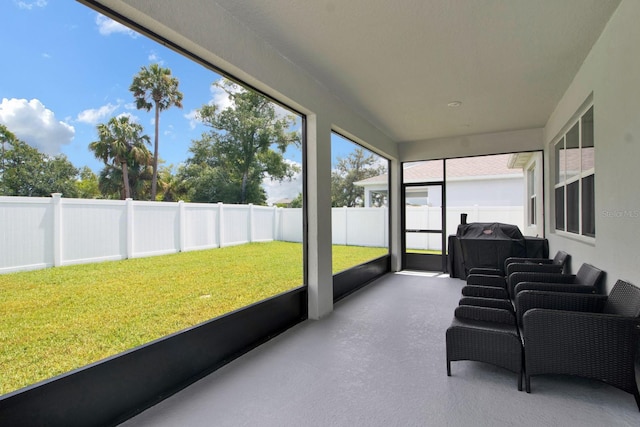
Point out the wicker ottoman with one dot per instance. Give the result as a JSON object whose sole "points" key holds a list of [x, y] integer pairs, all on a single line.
{"points": [[487, 335]]}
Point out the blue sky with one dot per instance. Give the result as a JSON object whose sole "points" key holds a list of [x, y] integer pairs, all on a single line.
{"points": [[66, 69]]}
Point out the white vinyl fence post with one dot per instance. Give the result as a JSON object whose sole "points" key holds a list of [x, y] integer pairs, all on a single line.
{"points": [[385, 227], [427, 215], [56, 199], [182, 238], [129, 210], [220, 225], [250, 223], [274, 234], [346, 225]]}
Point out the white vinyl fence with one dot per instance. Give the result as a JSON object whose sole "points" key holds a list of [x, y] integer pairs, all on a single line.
{"points": [[44, 232], [429, 218]]}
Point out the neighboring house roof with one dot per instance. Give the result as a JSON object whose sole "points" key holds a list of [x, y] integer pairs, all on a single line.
{"points": [[467, 167], [283, 202]]}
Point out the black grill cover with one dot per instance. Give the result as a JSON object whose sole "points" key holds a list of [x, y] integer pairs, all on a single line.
{"points": [[488, 245]]}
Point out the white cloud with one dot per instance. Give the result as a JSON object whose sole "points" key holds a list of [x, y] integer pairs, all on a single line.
{"points": [[132, 118], [287, 189], [220, 98], [28, 5], [94, 115], [36, 125], [154, 57], [281, 112], [107, 26], [46, 55], [192, 116]]}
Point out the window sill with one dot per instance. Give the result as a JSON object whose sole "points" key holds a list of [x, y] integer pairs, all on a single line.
{"points": [[577, 237]]}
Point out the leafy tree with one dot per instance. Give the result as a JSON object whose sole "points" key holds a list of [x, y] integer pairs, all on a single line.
{"points": [[246, 143], [25, 171], [297, 202], [7, 139], [121, 147], [87, 185], [356, 167], [58, 176], [156, 88]]}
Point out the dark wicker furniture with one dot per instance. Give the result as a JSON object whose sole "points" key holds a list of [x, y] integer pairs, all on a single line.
{"points": [[600, 341], [485, 335], [557, 264], [588, 279]]}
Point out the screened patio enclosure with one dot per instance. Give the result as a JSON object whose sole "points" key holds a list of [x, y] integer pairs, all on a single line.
{"points": [[411, 81]]}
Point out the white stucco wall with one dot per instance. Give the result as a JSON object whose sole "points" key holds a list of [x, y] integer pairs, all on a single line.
{"points": [[495, 192], [611, 72]]}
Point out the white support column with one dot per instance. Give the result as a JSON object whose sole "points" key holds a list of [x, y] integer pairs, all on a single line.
{"points": [[129, 209], [395, 210], [318, 196], [57, 229]]}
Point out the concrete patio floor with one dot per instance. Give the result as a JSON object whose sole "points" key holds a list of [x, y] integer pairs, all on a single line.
{"points": [[379, 360]]}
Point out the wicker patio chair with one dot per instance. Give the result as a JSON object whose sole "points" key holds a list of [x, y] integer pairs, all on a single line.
{"points": [[599, 342], [557, 264], [486, 286], [486, 282], [487, 335], [588, 279], [530, 299], [493, 286]]}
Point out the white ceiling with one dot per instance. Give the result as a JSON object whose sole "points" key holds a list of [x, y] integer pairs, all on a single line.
{"points": [[399, 63]]}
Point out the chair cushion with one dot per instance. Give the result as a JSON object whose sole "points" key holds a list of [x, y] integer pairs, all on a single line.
{"points": [[589, 275], [624, 300]]}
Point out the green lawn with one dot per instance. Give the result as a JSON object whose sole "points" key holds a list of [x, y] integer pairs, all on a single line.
{"points": [[59, 319], [424, 251]]}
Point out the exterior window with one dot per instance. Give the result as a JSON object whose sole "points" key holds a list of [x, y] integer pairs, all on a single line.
{"points": [[359, 204], [575, 178], [531, 194]]}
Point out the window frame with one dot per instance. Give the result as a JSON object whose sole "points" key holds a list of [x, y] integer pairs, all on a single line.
{"points": [[572, 222], [532, 200]]}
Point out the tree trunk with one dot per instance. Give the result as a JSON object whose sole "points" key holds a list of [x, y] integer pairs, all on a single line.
{"points": [[154, 179], [125, 178], [243, 191]]}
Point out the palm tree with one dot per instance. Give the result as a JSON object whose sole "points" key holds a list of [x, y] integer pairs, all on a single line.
{"points": [[172, 188], [121, 144], [154, 87]]}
